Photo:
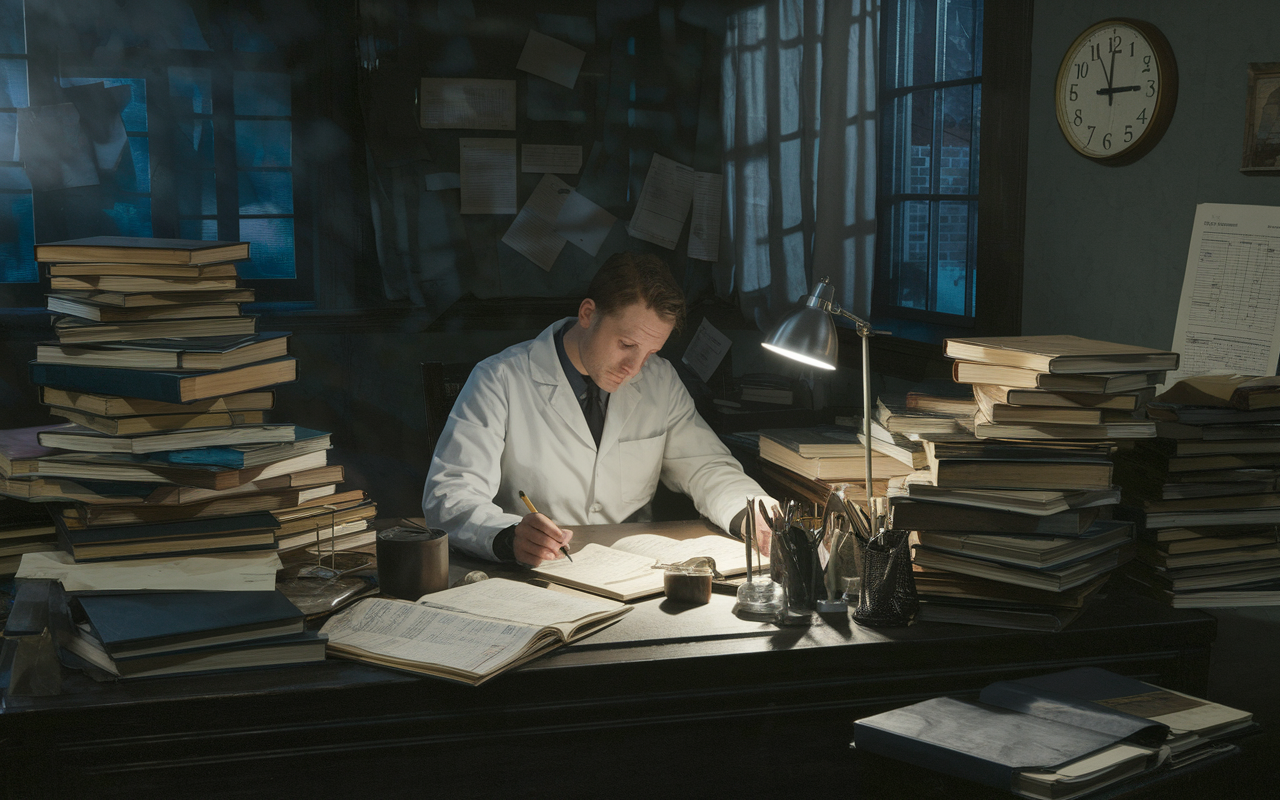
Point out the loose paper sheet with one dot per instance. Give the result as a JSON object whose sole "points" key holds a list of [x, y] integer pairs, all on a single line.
{"points": [[664, 203], [565, 159], [704, 228], [54, 148], [707, 350], [467, 103], [532, 232], [551, 59], [584, 223], [231, 572], [1227, 317], [488, 175]]}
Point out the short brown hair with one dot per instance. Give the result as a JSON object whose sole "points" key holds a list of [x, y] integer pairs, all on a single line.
{"points": [[627, 278]]}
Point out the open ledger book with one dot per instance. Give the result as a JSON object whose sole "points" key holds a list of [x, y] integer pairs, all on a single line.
{"points": [[469, 633], [617, 561]]}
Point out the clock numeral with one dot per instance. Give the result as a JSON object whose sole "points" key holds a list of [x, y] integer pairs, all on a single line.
{"points": [[1142, 117], [1151, 88], [1078, 120], [1130, 49], [1114, 44], [1106, 141], [1082, 69], [1073, 94], [1092, 128], [1095, 51], [1128, 134], [1146, 63]]}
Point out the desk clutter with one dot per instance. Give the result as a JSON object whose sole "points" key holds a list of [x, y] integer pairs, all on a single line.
{"points": [[165, 484]]}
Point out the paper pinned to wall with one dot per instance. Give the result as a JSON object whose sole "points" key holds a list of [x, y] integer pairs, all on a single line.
{"points": [[476, 103], [564, 159], [532, 232], [1229, 312], [551, 59], [54, 148], [487, 175], [584, 223], [704, 227], [664, 203], [706, 351]]}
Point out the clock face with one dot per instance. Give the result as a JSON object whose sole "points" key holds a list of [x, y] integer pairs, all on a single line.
{"points": [[1115, 90]]}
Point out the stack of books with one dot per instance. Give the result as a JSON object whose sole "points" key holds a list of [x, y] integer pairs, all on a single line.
{"points": [[1013, 526], [811, 462], [164, 386], [24, 528], [1206, 494]]}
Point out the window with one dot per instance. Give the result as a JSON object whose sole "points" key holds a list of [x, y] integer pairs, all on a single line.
{"points": [[951, 177], [206, 104]]}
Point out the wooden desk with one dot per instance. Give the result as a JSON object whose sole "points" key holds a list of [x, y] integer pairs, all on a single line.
{"points": [[683, 700]]}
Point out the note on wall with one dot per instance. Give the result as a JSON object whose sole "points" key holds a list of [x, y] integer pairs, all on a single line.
{"points": [[706, 351], [551, 59], [1228, 313], [704, 227], [664, 203], [584, 223], [488, 175], [476, 103], [565, 159], [532, 232]]}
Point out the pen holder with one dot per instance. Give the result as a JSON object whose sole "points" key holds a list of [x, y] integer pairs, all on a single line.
{"points": [[411, 562], [887, 588], [794, 564]]}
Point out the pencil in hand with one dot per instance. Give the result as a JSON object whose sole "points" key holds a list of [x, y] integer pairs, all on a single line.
{"points": [[532, 510]]}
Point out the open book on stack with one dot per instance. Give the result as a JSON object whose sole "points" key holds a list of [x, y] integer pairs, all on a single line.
{"points": [[826, 453], [1206, 493], [1057, 736], [469, 633]]}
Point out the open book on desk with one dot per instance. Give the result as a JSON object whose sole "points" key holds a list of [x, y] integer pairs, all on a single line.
{"points": [[467, 634], [617, 561]]}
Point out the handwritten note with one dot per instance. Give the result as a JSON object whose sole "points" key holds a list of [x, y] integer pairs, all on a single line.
{"points": [[551, 59], [583, 223], [704, 228], [476, 103], [532, 232], [663, 204], [488, 175], [565, 159], [706, 351]]}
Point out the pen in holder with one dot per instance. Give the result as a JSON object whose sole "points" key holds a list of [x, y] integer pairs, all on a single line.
{"points": [[760, 598], [887, 588]]}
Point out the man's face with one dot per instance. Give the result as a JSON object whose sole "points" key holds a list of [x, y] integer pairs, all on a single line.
{"points": [[612, 347]]}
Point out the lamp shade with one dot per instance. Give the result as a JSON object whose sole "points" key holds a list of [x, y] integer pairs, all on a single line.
{"points": [[807, 335]]}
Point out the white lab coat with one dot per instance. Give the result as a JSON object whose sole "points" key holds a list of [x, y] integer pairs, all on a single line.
{"points": [[517, 426]]}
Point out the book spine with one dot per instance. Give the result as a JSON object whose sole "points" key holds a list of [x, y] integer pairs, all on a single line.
{"points": [[148, 385], [931, 756]]}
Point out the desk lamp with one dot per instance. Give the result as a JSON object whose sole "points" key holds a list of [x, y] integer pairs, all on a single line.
{"points": [[808, 335]]}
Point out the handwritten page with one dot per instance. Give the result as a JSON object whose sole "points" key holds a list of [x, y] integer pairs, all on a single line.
{"points": [[614, 569], [488, 175], [583, 223], [229, 572], [730, 554], [477, 103], [663, 204], [551, 59], [518, 602], [704, 228], [532, 232], [565, 159], [1228, 313], [706, 351]]}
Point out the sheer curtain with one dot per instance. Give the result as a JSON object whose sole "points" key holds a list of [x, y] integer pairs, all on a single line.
{"points": [[800, 153]]}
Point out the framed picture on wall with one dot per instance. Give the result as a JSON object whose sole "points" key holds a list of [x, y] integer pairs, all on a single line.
{"points": [[1262, 120]]}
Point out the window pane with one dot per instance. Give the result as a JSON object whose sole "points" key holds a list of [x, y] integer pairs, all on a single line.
{"points": [[17, 238], [193, 84], [964, 25], [918, 178], [13, 37], [270, 248], [132, 217], [262, 143], [13, 83], [957, 139], [953, 258], [8, 135], [206, 230], [194, 146], [910, 253], [135, 113], [197, 194], [261, 94], [923, 28], [134, 172], [266, 193]]}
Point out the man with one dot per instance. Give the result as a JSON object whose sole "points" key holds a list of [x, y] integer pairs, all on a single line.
{"points": [[585, 422]]}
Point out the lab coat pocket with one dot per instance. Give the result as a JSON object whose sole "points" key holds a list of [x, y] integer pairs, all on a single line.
{"points": [[641, 465]]}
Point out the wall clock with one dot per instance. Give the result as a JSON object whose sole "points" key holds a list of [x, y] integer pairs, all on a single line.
{"points": [[1116, 90]]}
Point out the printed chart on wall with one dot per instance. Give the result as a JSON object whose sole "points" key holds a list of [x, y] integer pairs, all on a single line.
{"points": [[1228, 315]]}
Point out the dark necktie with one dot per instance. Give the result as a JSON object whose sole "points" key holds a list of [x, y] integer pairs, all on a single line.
{"points": [[594, 410]]}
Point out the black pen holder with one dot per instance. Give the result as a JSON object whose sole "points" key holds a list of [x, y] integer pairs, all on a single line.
{"points": [[887, 589], [794, 564]]}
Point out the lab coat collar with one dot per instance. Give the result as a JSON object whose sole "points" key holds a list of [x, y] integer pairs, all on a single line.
{"points": [[544, 367]]}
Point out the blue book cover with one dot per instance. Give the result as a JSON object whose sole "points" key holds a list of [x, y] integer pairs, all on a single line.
{"points": [[305, 441], [132, 623], [191, 528], [167, 387]]}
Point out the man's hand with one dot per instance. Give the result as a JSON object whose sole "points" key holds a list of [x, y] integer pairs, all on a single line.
{"points": [[538, 539]]}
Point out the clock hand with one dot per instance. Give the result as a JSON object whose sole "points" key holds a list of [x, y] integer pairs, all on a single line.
{"points": [[1118, 89], [1112, 76]]}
